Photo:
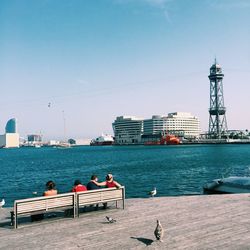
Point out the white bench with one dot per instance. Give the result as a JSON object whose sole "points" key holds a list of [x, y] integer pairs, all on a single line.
{"points": [[45, 204], [97, 196], [41, 205]]}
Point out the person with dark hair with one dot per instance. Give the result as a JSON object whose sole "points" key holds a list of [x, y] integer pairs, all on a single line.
{"points": [[92, 185], [78, 187], [110, 182], [50, 185]]}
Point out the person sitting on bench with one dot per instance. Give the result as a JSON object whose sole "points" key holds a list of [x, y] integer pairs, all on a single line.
{"points": [[78, 187]]}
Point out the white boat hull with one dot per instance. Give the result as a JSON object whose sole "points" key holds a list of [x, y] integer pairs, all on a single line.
{"points": [[230, 185]]}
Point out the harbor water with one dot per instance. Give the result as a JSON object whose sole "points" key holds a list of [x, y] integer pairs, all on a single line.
{"points": [[173, 170]]}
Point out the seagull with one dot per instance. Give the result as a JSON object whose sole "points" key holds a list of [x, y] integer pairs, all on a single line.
{"points": [[110, 220], [159, 232], [153, 192], [34, 192], [2, 203]]}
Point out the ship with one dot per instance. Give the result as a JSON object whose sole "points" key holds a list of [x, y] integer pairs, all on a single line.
{"points": [[102, 140], [229, 185], [164, 140], [169, 140]]}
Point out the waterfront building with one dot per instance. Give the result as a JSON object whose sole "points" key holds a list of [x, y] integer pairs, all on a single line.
{"points": [[183, 124], [53, 143], [80, 141], [238, 134], [156, 125], [11, 138], [127, 130], [34, 139]]}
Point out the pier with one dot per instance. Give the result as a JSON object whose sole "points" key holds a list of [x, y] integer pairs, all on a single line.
{"points": [[190, 222]]}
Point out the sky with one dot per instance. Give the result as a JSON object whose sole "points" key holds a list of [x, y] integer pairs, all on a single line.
{"points": [[69, 68]]}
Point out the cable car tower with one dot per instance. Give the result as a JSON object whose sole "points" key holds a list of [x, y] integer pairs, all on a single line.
{"points": [[217, 110]]}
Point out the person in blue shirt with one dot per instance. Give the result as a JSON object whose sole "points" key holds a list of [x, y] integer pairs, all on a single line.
{"points": [[91, 185]]}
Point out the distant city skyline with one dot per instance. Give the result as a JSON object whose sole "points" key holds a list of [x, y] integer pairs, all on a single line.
{"points": [[71, 67]]}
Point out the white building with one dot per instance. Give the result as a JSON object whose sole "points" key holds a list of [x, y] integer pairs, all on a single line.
{"points": [[127, 130], [9, 140], [155, 125], [183, 123]]}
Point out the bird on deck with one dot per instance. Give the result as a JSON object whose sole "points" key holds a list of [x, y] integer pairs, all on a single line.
{"points": [[110, 220], [159, 232], [153, 192], [2, 203]]}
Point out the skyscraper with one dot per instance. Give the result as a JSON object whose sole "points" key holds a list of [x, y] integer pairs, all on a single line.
{"points": [[11, 126], [11, 138]]}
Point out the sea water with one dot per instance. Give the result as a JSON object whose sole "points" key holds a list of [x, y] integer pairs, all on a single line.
{"points": [[173, 170]]}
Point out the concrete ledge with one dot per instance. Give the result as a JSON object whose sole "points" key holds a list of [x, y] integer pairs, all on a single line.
{"points": [[190, 222]]}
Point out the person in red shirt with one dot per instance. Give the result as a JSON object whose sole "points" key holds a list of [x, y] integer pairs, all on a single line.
{"points": [[109, 183], [78, 187]]}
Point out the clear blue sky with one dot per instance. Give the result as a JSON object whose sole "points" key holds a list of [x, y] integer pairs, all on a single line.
{"points": [[98, 59]]}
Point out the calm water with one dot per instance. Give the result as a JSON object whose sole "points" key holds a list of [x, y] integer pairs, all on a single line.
{"points": [[174, 170]]}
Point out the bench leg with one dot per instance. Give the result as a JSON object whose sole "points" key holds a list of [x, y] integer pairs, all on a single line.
{"points": [[75, 211], [12, 218], [123, 198], [15, 221]]}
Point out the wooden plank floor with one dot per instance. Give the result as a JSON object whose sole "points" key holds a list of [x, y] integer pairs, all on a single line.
{"points": [[190, 222]]}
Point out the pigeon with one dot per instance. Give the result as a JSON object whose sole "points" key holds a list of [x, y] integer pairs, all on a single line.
{"points": [[2, 203], [110, 220], [153, 192], [159, 232]]}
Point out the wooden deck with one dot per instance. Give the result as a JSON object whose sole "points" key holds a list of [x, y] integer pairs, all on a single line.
{"points": [[190, 222]]}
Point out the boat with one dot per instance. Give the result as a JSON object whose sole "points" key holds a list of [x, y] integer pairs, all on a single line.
{"points": [[170, 140], [163, 140], [229, 185], [62, 145], [102, 140]]}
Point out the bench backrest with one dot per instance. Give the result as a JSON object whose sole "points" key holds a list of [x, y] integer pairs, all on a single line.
{"points": [[63, 201], [100, 196], [44, 203]]}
